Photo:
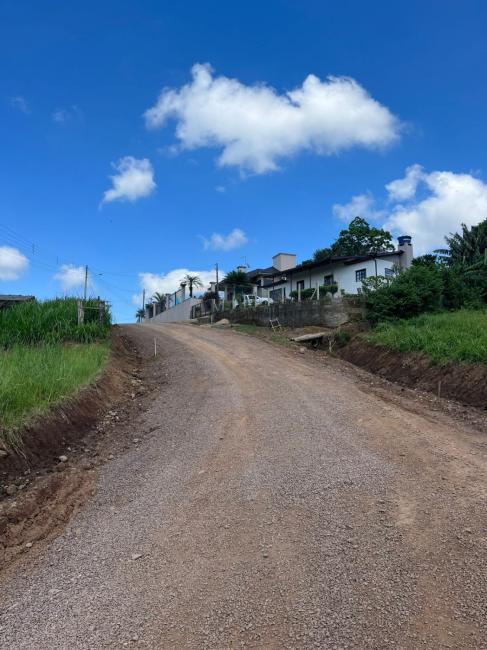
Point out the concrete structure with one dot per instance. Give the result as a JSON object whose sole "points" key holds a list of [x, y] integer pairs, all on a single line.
{"points": [[178, 313], [331, 312], [284, 261]]}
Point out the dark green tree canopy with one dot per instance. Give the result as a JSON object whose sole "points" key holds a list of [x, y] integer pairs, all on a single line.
{"points": [[236, 277], [358, 239]]}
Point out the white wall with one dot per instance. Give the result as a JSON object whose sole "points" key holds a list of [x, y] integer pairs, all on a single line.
{"points": [[343, 275], [181, 312]]}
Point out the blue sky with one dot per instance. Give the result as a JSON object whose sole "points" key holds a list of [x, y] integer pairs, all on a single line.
{"points": [[236, 161]]}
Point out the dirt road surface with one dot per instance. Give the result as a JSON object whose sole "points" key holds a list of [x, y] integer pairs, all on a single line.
{"points": [[275, 501]]}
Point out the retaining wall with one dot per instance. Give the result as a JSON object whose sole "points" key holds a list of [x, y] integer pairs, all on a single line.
{"points": [[329, 312]]}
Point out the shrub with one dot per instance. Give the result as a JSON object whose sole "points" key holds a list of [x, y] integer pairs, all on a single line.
{"points": [[412, 292], [328, 288]]}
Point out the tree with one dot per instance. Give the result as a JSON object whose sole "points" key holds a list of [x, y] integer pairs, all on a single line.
{"points": [[236, 277], [160, 299], [321, 254], [361, 239], [193, 281], [425, 260], [466, 248], [140, 314]]}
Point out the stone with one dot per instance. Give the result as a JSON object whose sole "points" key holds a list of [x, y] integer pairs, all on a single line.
{"points": [[10, 490], [63, 459], [136, 556], [3, 453], [29, 545], [302, 350]]}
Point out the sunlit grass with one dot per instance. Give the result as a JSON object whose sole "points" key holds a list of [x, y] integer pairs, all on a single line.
{"points": [[32, 379], [446, 336]]}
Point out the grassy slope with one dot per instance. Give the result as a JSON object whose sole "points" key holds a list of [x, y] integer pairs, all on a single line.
{"points": [[447, 336], [51, 321], [34, 378]]}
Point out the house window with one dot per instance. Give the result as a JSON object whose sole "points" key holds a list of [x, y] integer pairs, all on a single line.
{"points": [[360, 275], [300, 285], [389, 273], [328, 279]]}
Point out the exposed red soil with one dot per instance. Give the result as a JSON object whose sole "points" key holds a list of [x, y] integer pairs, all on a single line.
{"points": [[38, 493], [464, 382]]}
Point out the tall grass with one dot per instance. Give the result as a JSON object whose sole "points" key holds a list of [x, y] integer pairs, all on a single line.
{"points": [[446, 336], [51, 321], [32, 379]]}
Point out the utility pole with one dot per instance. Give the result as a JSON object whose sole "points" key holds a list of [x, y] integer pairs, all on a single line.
{"points": [[143, 299], [217, 287], [86, 282]]}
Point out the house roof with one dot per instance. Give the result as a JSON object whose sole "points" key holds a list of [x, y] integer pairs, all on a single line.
{"points": [[345, 259], [269, 271], [11, 299]]}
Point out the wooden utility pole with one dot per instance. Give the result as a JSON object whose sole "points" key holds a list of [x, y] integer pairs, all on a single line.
{"points": [[217, 287], [86, 282]]}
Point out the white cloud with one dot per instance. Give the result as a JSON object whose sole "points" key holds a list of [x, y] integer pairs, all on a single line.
{"points": [[361, 205], [403, 189], [170, 282], [12, 263], [64, 115], [135, 179], [450, 200], [218, 242], [256, 126], [426, 206], [70, 276], [20, 104]]}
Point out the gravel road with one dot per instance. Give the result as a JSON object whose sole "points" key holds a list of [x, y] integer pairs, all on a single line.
{"points": [[274, 501]]}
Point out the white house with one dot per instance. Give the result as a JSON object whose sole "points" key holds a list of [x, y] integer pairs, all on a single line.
{"points": [[284, 276]]}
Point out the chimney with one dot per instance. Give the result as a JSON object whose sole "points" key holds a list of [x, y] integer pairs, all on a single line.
{"points": [[405, 245], [284, 261]]}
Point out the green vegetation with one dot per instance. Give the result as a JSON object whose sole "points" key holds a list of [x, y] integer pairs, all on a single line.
{"points": [[51, 321], [358, 239], [446, 336], [454, 278], [34, 378], [45, 357]]}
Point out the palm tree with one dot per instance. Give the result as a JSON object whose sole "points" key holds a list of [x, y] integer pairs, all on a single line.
{"points": [[160, 299], [193, 281], [236, 277], [140, 314], [468, 247]]}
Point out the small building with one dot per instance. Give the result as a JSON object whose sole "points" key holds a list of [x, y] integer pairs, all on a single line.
{"points": [[9, 300], [346, 272]]}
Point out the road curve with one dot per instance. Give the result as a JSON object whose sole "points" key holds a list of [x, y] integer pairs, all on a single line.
{"points": [[275, 502]]}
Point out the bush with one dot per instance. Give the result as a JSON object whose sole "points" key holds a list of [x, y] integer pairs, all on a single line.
{"points": [[328, 288], [414, 291]]}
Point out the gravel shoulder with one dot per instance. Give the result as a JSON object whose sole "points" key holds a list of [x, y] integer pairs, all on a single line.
{"points": [[275, 500]]}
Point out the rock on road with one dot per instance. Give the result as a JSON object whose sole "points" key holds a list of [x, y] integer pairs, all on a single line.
{"points": [[275, 501]]}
